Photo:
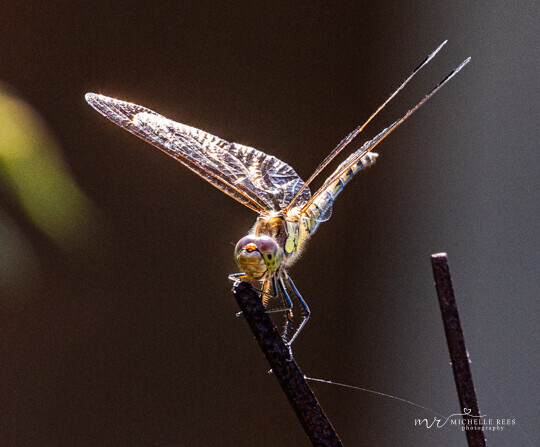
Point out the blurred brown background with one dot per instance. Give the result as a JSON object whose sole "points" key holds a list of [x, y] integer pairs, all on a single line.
{"points": [[117, 323]]}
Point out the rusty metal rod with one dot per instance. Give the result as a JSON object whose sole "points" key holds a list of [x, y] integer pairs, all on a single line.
{"points": [[292, 381], [458, 351]]}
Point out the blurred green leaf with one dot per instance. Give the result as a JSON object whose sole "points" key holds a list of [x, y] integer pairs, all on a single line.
{"points": [[33, 170]]}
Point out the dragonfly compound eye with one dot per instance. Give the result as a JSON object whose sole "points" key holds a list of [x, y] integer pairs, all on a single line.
{"points": [[244, 243], [270, 251], [249, 258]]}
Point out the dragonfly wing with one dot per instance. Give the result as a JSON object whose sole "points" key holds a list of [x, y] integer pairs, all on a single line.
{"points": [[259, 181], [272, 178], [320, 204], [359, 129]]}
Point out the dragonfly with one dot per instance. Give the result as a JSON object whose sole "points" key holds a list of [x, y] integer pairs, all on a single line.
{"points": [[289, 214]]}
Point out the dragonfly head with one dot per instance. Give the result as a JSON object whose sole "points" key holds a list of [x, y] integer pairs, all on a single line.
{"points": [[257, 255]]}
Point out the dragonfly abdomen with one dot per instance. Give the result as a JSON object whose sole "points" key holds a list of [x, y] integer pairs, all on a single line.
{"points": [[320, 209]]}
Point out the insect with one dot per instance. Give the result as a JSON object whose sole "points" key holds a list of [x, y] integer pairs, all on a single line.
{"points": [[288, 213]]}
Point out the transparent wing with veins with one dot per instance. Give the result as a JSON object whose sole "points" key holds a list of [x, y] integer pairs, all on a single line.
{"points": [[259, 181], [345, 142], [368, 146]]}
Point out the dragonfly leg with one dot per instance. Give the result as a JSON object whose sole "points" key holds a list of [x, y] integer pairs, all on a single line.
{"points": [[287, 303], [304, 305], [237, 277], [288, 314], [270, 290], [266, 290], [265, 294]]}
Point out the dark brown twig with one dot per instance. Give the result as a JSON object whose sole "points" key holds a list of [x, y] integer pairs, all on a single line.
{"points": [[458, 351], [292, 381]]}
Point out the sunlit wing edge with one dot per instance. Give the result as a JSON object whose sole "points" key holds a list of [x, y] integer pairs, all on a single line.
{"points": [[110, 108]]}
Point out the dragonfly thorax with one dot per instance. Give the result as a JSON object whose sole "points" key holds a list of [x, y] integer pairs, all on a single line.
{"points": [[273, 225]]}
